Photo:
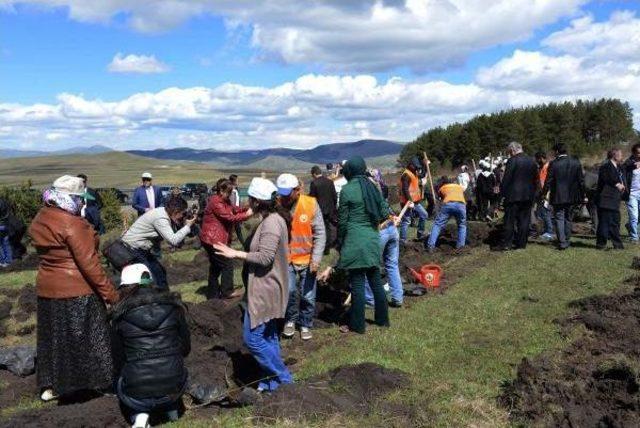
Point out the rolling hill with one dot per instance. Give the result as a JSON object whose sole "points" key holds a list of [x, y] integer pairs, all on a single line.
{"points": [[90, 150], [327, 153]]}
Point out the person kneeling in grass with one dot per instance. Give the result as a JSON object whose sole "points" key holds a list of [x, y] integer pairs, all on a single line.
{"points": [[454, 205], [151, 339]]}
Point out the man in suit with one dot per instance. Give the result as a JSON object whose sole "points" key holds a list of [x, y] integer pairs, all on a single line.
{"points": [[518, 189], [324, 191], [565, 182], [611, 187], [147, 196]]}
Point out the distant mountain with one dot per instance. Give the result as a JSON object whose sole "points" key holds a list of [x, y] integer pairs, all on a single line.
{"points": [[328, 153], [90, 150]]}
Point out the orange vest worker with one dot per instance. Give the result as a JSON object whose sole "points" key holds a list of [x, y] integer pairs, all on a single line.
{"points": [[301, 243], [414, 188]]}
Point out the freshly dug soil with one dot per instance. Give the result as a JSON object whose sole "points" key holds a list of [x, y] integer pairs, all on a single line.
{"points": [[595, 381], [28, 262], [5, 309], [28, 299], [16, 389], [347, 390], [183, 272]]}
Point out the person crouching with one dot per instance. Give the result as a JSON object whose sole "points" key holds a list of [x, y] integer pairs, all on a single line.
{"points": [[151, 340]]}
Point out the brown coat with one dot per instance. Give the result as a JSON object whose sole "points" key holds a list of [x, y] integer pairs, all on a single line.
{"points": [[267, 269], [69, 260]]}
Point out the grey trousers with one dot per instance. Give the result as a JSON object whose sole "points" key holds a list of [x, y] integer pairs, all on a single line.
{"points": [[562, 219]]}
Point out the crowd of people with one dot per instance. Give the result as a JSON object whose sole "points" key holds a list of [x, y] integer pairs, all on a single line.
{"points": [[80, 309]]}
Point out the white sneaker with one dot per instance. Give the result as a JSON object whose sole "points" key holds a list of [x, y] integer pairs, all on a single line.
{"points": [[141, 421], [305, 333], [289, 329], [48, 395]]}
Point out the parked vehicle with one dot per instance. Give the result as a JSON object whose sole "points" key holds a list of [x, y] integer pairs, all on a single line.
{"points": [[193, 190], [122, 197]]}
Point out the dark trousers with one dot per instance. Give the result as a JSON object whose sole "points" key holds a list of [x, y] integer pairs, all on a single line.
{"points": [[220, 274], [562, 218], [238, 228], [356, 313], [150, 260], [517, 219], [332, 235], [608, 228]]}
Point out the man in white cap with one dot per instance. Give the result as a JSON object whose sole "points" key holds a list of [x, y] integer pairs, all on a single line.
{"points": [[147, 196], [151, 339], [306, 247]]}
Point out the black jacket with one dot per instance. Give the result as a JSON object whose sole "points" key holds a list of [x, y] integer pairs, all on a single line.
{"points": [[324, 191], [485, 185], [607, 195], [628, 167], [151, 340], [520, 180], [565, 181]]}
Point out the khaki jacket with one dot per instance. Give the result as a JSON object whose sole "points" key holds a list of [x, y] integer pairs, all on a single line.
{"points": [[69, 260]]}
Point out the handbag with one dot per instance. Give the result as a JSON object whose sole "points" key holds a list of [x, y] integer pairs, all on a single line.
{"points": [[118, 254]]}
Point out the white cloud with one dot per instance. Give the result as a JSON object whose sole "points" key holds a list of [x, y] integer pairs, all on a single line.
{"points": [[139, 64], [346, 36]]}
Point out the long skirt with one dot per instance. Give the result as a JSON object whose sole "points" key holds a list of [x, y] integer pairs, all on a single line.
{"points": [[74, 345]]}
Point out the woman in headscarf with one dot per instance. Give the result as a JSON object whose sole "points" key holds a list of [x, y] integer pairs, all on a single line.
{"points": [[73, 339], [360, 212]]}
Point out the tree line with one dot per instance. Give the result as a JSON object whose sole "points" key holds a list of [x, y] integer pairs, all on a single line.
{"points": [[587, 127]]}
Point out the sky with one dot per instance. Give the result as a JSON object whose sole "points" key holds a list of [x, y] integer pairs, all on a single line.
{"points": [[246, 74]]}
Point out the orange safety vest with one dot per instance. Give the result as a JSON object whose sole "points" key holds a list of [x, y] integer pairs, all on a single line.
{"points": [[301, 243], [452, 193], [414, 188]]}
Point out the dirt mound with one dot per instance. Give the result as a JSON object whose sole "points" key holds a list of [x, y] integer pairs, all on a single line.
{"points": [[5, 309], [28, 299], [28, 262], [99, 412], [594, 382], [182, 272], [347, 390]]}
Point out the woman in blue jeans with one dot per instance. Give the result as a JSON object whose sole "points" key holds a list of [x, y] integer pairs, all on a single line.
{"points": [[454, 205], [390, 247]]}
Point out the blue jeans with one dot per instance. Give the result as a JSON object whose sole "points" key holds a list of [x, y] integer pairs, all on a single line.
{"points": [[390, 246], [6, 252], [457, 210], [544, 214], [264, 345], [302, 296], [632, 208], [419, 210]]}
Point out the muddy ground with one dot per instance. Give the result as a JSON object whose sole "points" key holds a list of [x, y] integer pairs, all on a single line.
{"points": [[593, 382]]}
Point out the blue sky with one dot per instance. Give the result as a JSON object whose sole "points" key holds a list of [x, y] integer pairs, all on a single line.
{"points": [[244, 74]]}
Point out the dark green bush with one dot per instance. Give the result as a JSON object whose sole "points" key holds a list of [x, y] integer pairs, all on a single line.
{"points": [[25, 201], [111, 211]]}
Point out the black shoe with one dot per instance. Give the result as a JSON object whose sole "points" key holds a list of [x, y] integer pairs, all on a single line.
{"points": [[394, 304]]}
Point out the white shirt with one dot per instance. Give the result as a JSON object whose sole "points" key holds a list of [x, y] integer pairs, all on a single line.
{"points": [[151, 197], [463, 180], [338, 184]]}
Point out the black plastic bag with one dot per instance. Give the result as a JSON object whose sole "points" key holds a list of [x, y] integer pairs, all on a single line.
{"points": [[19, 360], [207, 394]]}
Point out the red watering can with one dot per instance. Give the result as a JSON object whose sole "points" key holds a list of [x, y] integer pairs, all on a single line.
{"points": [[428, 276]]}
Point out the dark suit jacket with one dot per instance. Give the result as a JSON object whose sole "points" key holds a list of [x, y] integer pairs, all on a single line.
{"points": [[324, 191], [565, 181], [140, 201], [608, 196], [520, 180]]}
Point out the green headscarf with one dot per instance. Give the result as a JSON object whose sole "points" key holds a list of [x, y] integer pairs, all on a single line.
{"points": [[356, 169]]}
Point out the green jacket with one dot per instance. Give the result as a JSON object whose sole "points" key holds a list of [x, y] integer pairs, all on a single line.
{"points": [[359, 237]]}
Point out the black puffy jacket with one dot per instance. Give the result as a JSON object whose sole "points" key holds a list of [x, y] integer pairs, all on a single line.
{"points": [[151, 340]]}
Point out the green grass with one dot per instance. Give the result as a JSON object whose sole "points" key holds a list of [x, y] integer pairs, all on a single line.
{"points": [[459, 346]]}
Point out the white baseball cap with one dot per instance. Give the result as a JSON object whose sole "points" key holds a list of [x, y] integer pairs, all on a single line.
{"points": [[147, 175], [261, 189], [132, 274], [286, 183]]}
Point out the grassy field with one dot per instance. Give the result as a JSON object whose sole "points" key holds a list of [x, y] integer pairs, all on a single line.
{"points": [[114, 169], [459, 346]]}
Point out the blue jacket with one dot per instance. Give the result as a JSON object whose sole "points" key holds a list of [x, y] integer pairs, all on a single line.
{"points": [[140, 202]]}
